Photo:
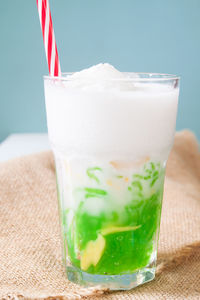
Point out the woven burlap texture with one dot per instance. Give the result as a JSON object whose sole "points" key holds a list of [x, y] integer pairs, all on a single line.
{"points": [[30, 250]]}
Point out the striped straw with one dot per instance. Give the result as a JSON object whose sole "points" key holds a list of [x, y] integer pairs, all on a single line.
{"points": [[49, 37]]}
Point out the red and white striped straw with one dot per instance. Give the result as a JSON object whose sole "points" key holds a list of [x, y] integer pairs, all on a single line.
{"points": [[49, 37]]}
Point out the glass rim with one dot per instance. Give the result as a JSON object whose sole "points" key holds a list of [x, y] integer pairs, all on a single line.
{"points": [[131, 76]]}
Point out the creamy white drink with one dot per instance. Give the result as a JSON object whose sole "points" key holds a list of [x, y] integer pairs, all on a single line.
{"points": [[92, 110], [111, 133]]}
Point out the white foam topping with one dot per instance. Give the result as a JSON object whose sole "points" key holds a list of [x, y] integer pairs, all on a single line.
{"points": [[103, 111], [99, 78], [98, 72]]}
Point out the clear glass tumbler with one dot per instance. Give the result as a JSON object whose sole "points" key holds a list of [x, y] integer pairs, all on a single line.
{"points": [[110, 146]]}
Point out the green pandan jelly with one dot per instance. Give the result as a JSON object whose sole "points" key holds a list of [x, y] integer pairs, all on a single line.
{"points": [[122, 237]]}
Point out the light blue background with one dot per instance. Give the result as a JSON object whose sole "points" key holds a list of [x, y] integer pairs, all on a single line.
{"points": [[133, 35]]}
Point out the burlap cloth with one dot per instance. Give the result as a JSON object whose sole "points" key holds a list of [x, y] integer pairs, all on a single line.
{"points": [[30, 253]]}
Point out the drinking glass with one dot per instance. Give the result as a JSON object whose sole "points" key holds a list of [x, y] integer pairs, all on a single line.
{"points": [[111, 146]]}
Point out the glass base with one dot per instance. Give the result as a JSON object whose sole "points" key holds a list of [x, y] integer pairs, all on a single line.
{"points": [[111, 282]]}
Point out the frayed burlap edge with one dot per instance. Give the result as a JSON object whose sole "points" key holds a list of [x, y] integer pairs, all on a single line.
{"points": [[174, 260], [164, 264], [81, 294]]}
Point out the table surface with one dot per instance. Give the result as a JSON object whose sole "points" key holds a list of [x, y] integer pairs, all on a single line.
{"points": [[16, 145]]}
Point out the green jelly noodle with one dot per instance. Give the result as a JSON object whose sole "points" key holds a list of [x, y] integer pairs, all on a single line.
{"points": [[120, 240]]}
